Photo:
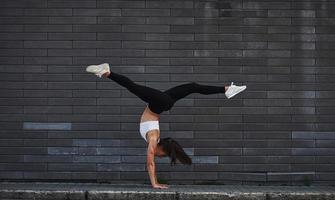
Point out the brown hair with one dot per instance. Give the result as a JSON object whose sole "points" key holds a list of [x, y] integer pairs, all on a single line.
{"points": [[174, 151]]}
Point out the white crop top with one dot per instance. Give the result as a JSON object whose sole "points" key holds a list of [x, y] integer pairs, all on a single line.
{"points": [[147, 126]]}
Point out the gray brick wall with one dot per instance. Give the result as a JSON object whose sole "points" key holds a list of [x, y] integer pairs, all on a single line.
{"points": [[60, 123]]}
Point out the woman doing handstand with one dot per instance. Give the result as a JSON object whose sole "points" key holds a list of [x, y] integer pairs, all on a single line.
{"points": [[157, 102]]}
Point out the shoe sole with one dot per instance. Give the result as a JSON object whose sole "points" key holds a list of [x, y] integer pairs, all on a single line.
{"points": [[239, 91], [94, 67]]}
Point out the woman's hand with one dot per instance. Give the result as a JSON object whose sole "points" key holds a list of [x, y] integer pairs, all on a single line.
{"points": [[160, 186]]}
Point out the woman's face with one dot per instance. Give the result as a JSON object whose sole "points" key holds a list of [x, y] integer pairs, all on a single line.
{"points": [[159, 151]]}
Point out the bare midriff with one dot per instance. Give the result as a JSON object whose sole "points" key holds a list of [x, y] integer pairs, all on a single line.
{"points": [[148, 115]]}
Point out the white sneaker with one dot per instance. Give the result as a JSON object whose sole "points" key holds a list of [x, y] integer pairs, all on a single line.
{"points": [[98, 70], [234, 90]]}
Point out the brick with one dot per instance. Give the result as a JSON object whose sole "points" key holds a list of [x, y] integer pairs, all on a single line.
{"points": [[47, 12], [289, 94], [47, 93], [23, 36], [243, 45], [89, 60], [189, 175], [266, 5], [48, 109], [85, 93], [169, 4], [169, 53], [94, 44], [96, 28], [47, 44], [12, 12], [146, 28], [71, 4], [221, 5], [11, 44], [267, 37], [96, 159], [266, 21], [194, 61], [48, 28], [11, 60], [250, 29], [72, 20], [200, 77], [146, 12], [267, 53], [96, 12], [120, 52], [170, 20], [311, 22], [11, 158], [312, 5], [19, 167], [218, 37], [289, 29], [23, 52], [218, 134], [325, 159], [47, 60], [11, 109], [223, 22], [324, 135], [218, 151], [24, 4], [22, 150], [120, 36], [108, 175], [217, 53], [23, 20], [72, 101], [12, 28], [71, 167], [243, 176], [122, 151], [291, 13], [193, 45], [290, 45], [145, 45], [48, 175], [10, 142], [71, 52], [145, 61], [121, 20], [120, 4], [194, 29], [46, 126], [169, 37], [304, 37]]}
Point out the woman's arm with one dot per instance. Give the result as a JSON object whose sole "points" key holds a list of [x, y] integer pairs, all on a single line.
{"points": [[151, 163]]}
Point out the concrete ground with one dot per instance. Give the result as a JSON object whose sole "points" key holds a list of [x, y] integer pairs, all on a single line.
{"points": [[98, 191]]}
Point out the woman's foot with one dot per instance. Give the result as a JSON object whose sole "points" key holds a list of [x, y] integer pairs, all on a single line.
{"points": [[234, 90], [99, 70]]}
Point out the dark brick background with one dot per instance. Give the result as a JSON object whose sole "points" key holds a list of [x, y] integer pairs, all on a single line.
{"points": [[60, 123]]}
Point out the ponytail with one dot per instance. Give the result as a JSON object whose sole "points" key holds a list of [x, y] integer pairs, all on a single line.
{"points": [[173, 149]]}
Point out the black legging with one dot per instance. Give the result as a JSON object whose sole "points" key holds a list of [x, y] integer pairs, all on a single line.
{"points": [[162, 101]]}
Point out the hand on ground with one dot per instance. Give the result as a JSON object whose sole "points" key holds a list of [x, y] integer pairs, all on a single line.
{"points": [[160, 186]]}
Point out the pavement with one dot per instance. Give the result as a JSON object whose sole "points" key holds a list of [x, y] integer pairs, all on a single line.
{"points": [[99, 191]]}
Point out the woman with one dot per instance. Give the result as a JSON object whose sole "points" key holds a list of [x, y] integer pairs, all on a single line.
{"points": [[157, 102]]}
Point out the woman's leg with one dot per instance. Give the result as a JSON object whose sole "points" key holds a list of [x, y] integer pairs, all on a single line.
{"points": [[182, 91], [147, 94]]}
